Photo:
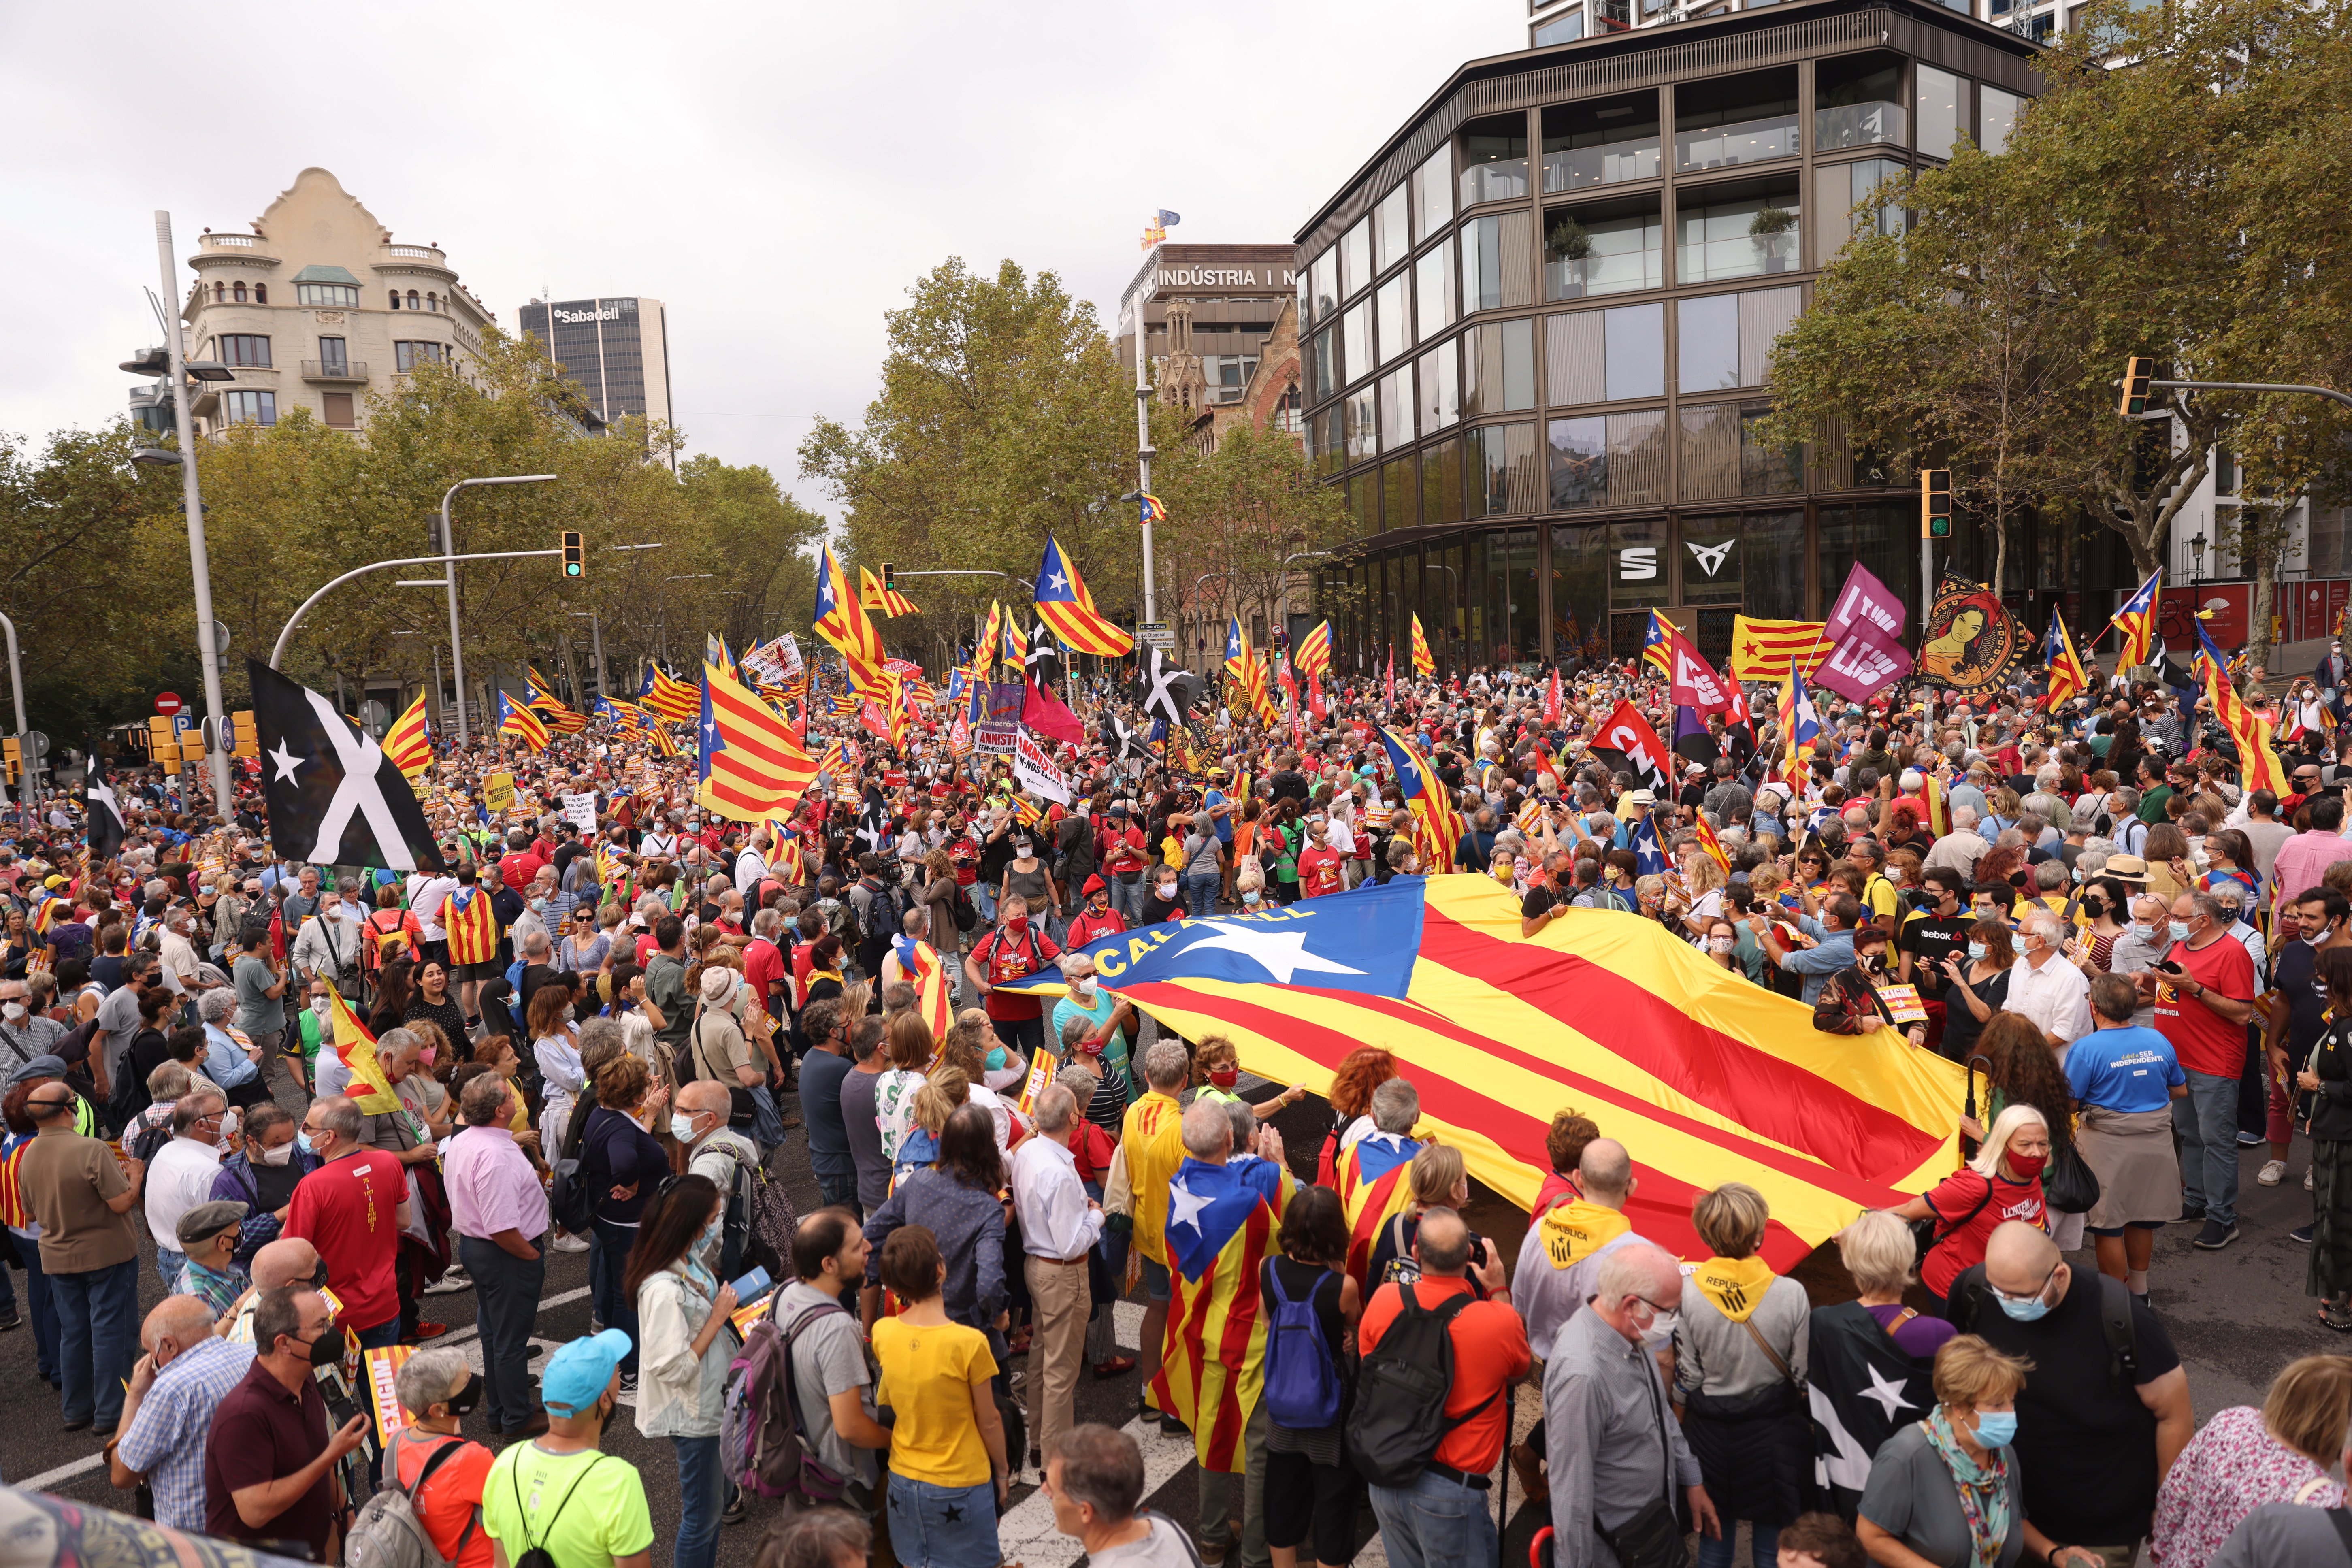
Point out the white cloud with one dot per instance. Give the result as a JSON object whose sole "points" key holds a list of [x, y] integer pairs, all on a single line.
{"points": [[776, 174]]}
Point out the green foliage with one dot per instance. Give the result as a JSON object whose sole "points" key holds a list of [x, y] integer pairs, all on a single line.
{"points": [[1232, 516]]}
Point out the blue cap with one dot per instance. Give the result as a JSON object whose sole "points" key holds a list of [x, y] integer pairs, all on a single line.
{"points": [[578, 1374]]}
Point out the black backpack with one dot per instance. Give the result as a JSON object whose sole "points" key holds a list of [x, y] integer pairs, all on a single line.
{"points": [[1401, 1390], [883, 916]]}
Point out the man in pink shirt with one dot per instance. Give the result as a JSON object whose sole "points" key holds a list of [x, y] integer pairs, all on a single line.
{"points": [[2303, 859], [499, 1210]]}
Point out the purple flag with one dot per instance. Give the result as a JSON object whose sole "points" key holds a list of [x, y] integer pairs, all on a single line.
{"points": [[1866, 634]]}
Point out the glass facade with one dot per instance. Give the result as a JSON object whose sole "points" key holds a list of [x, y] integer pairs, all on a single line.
{"points": [[1564, 426], [603, 344]]}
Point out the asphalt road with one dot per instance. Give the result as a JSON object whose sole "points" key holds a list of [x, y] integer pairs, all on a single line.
{"points": [[2237, 1316]]}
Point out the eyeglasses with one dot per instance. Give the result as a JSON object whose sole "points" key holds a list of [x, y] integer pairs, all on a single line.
{"points": [[2032, 1295]]}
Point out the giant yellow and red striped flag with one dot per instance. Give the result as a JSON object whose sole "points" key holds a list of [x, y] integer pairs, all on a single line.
{"points": [[522, 721], [1705, 1078], [1423, 661], [756, 769], [370, 1089], [409, 742], [1066, 606], [1436, 825], [841, 620], [666, 697], [1223, 1224], [1313, 655], [1763, 650]]}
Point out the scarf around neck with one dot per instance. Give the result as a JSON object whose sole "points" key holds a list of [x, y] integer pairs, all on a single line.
{"points": [[1984, 1489]]}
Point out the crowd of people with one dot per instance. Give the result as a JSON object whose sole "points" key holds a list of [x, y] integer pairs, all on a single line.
{"points": [[664, 1013]]}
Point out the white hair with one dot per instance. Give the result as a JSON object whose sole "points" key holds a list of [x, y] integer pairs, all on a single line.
{"points": [[2005, 1127]]}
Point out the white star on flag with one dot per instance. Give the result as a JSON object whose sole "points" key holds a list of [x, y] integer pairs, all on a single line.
{"points": [[1058, 581], [1889, 1394], [1281, 953], [1184, 1207], [287, 763]]}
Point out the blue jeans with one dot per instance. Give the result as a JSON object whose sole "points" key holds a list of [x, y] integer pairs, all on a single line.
{"points": [[836, 1178], [923, 1536], [1201, 893], [2206, 1122], [1718, 1551], [40, 1303], [983, 898], [169, 1264], [98, 1330], [701, 1499], [1436, 1522], [381, 1337], [1127, 898], [614, 1306]]}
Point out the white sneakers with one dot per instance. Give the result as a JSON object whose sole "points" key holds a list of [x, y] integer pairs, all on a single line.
{"points": [[2271, 1173], [570, 1243]]}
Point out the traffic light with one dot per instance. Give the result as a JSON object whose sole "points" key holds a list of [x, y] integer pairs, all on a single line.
{"points": [[1935, 503], [13, 750], [2139, 371], [889, 578], [576, 563]]}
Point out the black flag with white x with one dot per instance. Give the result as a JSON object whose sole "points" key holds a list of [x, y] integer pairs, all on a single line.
{"points": [[1125, 741], [335, 799], [1167, 689], [100, 811], [1043, 660]]}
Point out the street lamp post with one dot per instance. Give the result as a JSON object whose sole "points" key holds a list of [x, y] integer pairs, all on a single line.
{"points": [[1143, 449], [16, 687], [199, 561], [448, 548]]}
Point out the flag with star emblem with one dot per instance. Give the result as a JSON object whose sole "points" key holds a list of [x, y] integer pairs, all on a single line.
{"points": [[549, 707], [748, 765], [841, 620], [1705, 1076], [1064, 603], [1374, 1181], [333, 797], [522, 721], [1223, 1224], [1765, 650], [1861, 1391], [2135, 623], [1658, 645], [2067, 678], [370, 1089], [669, 697], [472, 924], [409, 742], [1436, 825]]}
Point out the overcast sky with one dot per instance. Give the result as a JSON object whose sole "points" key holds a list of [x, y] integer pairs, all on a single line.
{"points": [[777, 175]]}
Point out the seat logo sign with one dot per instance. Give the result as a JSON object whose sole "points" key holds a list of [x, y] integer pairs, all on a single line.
{"points": [[1638, 563], [1710, 558]]}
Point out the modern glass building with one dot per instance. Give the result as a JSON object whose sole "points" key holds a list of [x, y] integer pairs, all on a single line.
{"points": [[1536, 329], [617, 350]]}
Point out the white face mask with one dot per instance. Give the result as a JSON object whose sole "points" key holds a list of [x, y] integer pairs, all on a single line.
{"points": [[12, 1011]]}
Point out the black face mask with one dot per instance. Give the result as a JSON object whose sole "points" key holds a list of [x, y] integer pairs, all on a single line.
{"points": [[318, 1276], [462, 1403], [2094, 908], [327, 1348], [2017, 878]]}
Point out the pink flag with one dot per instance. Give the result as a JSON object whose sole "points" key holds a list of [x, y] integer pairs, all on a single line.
{"points": [[1864, 632]]}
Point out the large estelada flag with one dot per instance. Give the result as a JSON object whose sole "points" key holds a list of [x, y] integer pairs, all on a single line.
{"points": [[1764, 651], [667, 697], [749, 764], [521, 720], [1223, 1223], [1064, 603], [841, 620], [1861, 1390], [1705, 1078], [333, 797]]}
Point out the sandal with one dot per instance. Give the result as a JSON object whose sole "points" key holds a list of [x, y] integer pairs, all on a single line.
{"points": [[2336, 1317]]}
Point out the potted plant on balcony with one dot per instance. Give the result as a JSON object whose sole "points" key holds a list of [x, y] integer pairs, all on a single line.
{"points": [[1568, 242], [1770, 232]]}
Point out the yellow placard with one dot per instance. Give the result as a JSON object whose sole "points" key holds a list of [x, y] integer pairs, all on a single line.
{"points": [[382, 1365], [498, 790], [1902, 1003], [742, 1319]]}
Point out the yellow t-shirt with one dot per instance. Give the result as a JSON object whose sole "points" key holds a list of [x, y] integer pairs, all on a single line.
{"points": [[926, 1378], [1153, 1137]]}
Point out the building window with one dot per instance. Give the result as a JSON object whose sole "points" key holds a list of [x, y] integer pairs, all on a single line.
{"points": [[1364, 502], [1356, 343], [1606, 355], [1607, 249], [1322, 285], [1495, 159], [1432, 291], [1721, 455], [1858, 100], [1396, 410], [1579, 462], [1323, 377], [1393, 307], [395, 298], [1498, 367], [237, 291], [261, 293], [1356, 257], [332, 358], [1441, 388], [1841, 188], [1503, 477], [412, 299], [1726, 340], [432, 302], [407, 355], [1432, 195], [1941, 120], [1401, 498], [338, 405], [1325, 439], [1441, 482], [1736, 120], [1560, 29], [247, 349], [1997, 112], [1739, 234], [1391, 234], [1360, 424], [1637, 459], [342, 295], [220, 293], [248, 408], [1494, 271], [1600, 143]]}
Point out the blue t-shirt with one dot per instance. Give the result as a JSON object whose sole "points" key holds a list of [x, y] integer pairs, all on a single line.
{"points": [[2123, 1069], [1225, 824]]}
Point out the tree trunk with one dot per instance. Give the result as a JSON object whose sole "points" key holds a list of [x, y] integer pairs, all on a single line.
{"points": [[2265, 595]]}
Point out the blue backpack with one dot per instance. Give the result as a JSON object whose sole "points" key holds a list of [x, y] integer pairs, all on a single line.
{"points": [[1302, 1380]]}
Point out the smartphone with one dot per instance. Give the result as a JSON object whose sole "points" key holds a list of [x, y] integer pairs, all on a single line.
{"points": [[2167, 966]]}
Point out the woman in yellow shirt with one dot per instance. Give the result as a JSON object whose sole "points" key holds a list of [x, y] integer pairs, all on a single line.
{"points": [[948, 1469]]}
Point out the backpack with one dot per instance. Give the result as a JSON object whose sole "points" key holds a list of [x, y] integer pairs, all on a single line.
{"points": [[1302, 1382], [382, 944], [966, 913], [763, 1444], [388, 1533], [882, 917], [1401, 1393], [1401, 1267], [756, 1227], [536, 1555], [572, 1195], [150, 1140]]}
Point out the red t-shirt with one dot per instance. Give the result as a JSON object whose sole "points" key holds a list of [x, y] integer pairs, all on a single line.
{"points": [[646, 948], [1490, 1349], [763, 966], [2201, 1037], [1122, 850], [1318, 871], [348, 1210], [1001, 959], [1951, 1201], [964, 855], [518, 867], [1090, 926]]}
